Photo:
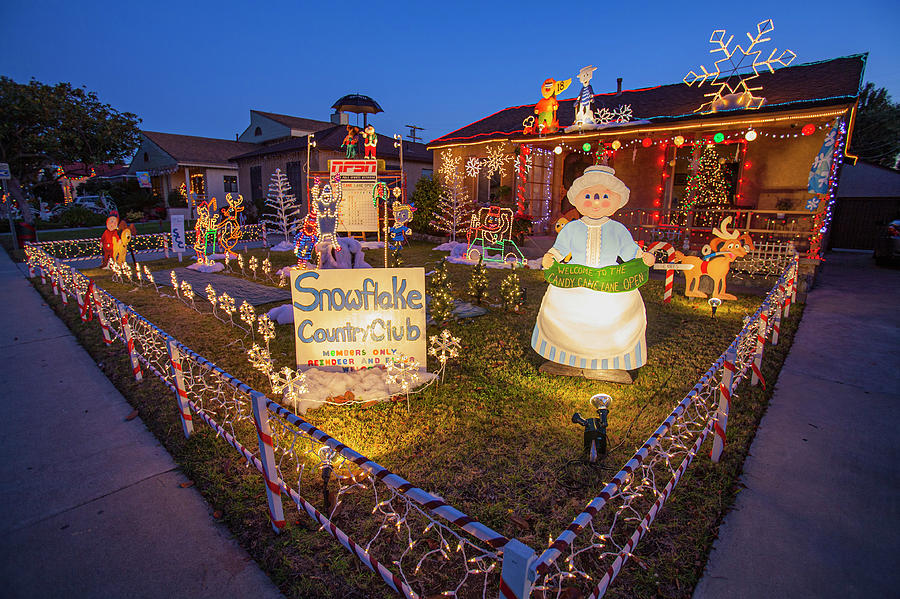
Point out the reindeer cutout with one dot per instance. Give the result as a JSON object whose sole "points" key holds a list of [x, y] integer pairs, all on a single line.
{"points": [[716, 260]]}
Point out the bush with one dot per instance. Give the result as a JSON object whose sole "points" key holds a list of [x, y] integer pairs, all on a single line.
{"points": [[79, 216], [176, 200], [425, 198]]}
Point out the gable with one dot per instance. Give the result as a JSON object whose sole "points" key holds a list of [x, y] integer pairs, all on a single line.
{"points": [[263, 129]]}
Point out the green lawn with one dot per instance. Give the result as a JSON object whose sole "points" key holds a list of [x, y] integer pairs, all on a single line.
{"points": [[495, 440]]}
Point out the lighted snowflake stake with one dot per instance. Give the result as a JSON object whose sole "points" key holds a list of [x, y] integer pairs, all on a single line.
{"points": [[266, 329], [449, 169], [174, 280], [211, 296], [443, 347], [226, 302], [282, 279], [248, 315], [473, 167], [403, 372], [240, 261], [254, 264], [732, 89], [267, 268]]}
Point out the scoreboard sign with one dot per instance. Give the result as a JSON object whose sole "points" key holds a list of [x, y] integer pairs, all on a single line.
{"points": [[357, 211]]}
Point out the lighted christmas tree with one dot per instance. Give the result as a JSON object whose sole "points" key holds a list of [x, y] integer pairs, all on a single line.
{"points": [[395, 259], [478, 283], [707, 187], [511, 291], [282, 207], [441, 306], [454, 209]]}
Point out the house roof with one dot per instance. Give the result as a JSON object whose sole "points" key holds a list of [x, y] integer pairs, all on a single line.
{"points": [[78, 170], [828, 82], [295, 122], [188, 149], [333, 137], [867, 180]]}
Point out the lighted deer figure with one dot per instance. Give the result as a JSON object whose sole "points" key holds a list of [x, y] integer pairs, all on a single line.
{"points": [[229, 230], [716, 260]]}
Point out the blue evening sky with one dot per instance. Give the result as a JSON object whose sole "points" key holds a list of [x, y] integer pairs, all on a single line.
{"points": [[197, 68]]}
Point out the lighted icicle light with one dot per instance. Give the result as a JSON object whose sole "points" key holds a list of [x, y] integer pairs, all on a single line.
{"points": [[714, 303]]}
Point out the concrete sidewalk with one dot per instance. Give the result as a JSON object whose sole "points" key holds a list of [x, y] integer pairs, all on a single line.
{"points": [[91, 503], [820, 515]]}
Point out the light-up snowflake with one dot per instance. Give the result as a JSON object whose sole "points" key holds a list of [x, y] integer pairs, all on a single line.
{"points": [[812, 204], [174, 280], [402, 372], [266, 328], [620, 114], [226, 302], [473, 167], [187, 291], [248, 314], [449, 169], [211, 295], [732, 89], [254, 264], [494, 162], [443, 346]]}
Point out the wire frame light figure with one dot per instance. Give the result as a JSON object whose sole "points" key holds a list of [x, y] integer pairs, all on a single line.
{"points": [[443, 346], [248, 315]]}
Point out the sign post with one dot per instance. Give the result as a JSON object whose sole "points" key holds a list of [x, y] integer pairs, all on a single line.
{"points": [[358, 318], [4, 176], [178, 239], [358, 177]]}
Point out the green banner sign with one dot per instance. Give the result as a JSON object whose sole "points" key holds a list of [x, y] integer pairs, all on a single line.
{"points": [[609, 279]]}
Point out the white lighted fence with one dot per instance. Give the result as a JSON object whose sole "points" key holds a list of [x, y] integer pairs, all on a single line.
{"points": [[147, 243], [418, 544]]}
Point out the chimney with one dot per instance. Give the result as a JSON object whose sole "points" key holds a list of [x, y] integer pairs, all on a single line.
{"points": [[618, 86], [340, 118]]}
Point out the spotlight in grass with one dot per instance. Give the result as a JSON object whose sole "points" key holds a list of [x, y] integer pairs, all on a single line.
{"points": [[595, 428], [714, 303]]}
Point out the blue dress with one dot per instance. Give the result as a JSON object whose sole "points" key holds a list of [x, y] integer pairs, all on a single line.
{"points": [[592, 329]]}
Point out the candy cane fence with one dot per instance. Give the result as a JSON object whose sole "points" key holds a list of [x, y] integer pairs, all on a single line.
{"points": [[288, 449]]}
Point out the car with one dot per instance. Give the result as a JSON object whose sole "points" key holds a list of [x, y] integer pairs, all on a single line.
{"points": [[887, 244]]}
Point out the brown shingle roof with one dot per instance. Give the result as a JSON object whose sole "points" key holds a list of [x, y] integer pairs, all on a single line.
{"points": [[198, 150], [828, 82], [331, 139], [295, 122]]}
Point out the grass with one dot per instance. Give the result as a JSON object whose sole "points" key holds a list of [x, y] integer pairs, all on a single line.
{"points": [[494, 441]]}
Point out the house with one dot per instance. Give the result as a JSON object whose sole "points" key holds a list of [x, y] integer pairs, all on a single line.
{"points": [[269, 128], [195, 167], [70, 176], [257, 165], [655, 137], [868, 197]]}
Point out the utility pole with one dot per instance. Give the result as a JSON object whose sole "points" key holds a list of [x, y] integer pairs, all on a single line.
{"points": [[412, 132]]}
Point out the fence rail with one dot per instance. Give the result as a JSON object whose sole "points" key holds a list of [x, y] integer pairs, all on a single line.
{"points": [[431, 547]]}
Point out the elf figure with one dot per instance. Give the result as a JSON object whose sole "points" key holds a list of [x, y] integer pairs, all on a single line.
{"points": [[546, 107], [350, 141], [370, 141], [592, 320], [398, 233], [109, 238], [584, 105]]}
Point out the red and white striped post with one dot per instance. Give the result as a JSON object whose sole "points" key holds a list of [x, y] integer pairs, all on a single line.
{"points": [[776, 323], [101, 316], [184, 410], [721, 424], [129, 342], [166, 244], [789, 295], [43, 267], [267, 457], [79, 299], [60, 282], [762, 329], [54, 273]]}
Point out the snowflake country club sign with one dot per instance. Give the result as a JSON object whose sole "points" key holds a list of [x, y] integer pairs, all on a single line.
{"points": [[358, 318]]}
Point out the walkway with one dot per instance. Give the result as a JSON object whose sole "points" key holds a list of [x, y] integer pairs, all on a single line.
{"points": [[91, 503], [820, 514]]}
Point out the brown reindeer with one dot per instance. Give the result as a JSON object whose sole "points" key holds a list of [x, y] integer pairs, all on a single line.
{"points": [[717, 257]]}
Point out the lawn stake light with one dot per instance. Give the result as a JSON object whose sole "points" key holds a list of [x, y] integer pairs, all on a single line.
{"points": [[714, 303], [595, 428]]}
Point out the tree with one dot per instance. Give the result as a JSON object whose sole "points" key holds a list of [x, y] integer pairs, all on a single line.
{"points": [[478, 282], [282, 206], [454, 207], [876, 131], [707, 186], [53, 124], [442, 304], [425, 198]]}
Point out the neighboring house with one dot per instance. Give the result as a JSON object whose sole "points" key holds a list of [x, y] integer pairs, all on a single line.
{"points": [[257, 165], [201, 164], [268, 127], [868, 197], [76, 173], [765, 153]]}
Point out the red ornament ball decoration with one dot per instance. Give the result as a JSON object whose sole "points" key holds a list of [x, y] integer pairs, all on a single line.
{"points": [[808, 129], [647, 142]]}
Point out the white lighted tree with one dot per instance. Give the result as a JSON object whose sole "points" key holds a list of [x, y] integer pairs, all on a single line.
{"points": [[282, 207], [454, 207]]}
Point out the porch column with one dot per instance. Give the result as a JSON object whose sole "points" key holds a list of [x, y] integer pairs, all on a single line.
{"points": [[187, 187]]}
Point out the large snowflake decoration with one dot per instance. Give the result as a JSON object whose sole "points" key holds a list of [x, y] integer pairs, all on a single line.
{"points": [[730, 88], [494, 162], [449, 169], [473, 166], [443, 346]]}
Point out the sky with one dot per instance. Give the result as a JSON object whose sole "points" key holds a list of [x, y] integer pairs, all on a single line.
{"points": [[198, 67]]}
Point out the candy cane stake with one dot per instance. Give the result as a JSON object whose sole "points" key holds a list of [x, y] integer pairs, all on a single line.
{"points": [[187, 423], [129, 342], [101, 316], [762, 328], [267, 455], [721, 424]]}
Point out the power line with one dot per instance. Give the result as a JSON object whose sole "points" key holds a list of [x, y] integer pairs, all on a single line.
{"points": [[412, 132]]}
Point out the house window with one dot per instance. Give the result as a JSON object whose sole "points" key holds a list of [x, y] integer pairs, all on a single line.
{"points": [[540, 187], [294, 172], [257, 132], [256, 192], [488, 190], [427, 173], [146, 157], [230, 184], [198, 185]]}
